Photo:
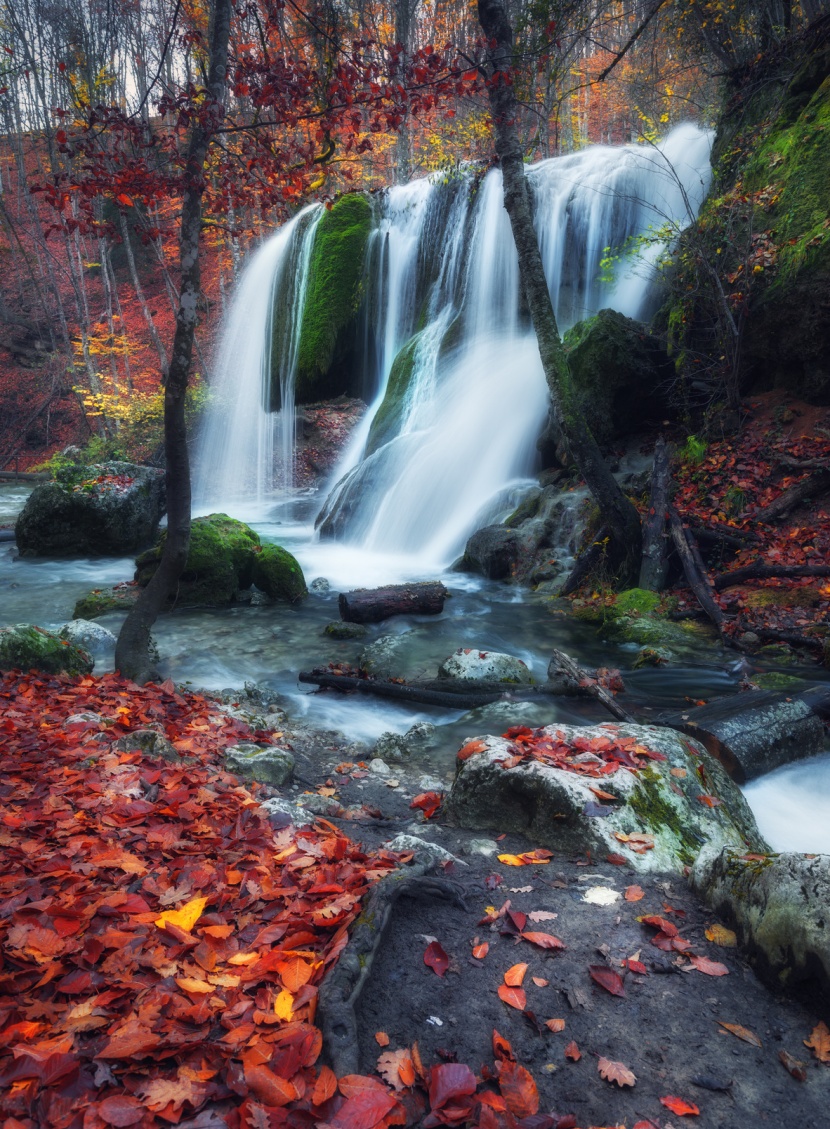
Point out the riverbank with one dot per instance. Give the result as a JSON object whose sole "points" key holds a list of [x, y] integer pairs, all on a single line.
{"points": [[108, 1008]]}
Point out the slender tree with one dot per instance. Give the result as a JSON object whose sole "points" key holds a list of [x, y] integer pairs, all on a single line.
{"points": [[619, 519]]}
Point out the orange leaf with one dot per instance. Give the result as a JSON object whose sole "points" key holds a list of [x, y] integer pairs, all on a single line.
{"points": [[680, 1107], [616, 1072], [515, 997], [573, 1052], [709, 967], [124, 199], [543, 940], [382, 1039], [325, 1087], [515, 975], [470, 749], [395, 1067], [294, 973], [481, 951], [517, 1088], [819, 1042], [741, 1033], [540, 981], [268, 1086], [555, 1024], [633, 893]]}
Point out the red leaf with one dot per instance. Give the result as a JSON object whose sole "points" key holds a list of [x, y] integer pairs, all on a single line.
{"points": [[366, 1105], [449, 1081], [121, 1110], [607, 978], [573, 1052], [543, 940], [268, 1086], [325, 1087], [515, 997], [124, 199], [518, 1089], [428, 802], [502, 1048], [709, 967], [661, 924], [679, 1106], [470, 749], [436, 959]]}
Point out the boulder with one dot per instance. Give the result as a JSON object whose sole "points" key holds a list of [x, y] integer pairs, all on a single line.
{"points": [[339, 630], [386, 656], [267, 764], [100, 601], [149, 743], [26, 647], [494, 552], [778, 905], [278, 575], [110, 509], [485, 666], [400, 746], [555, 806], [92, 637]]}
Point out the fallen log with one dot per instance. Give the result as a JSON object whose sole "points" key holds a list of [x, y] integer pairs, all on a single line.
{"points": [[754, 732], [695, 575], [654, 566], [462, 696], [716, 534], [371, 605], [760, 571], [791, 497], [793, 638], [24, 476], [564, 663]]}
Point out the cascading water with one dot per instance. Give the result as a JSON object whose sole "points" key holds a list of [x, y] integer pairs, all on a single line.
{"points": [[457, 392]]}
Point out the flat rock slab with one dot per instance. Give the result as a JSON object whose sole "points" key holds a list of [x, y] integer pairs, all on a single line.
{"points": [[485, 666], [779, 906], [682, 803]]}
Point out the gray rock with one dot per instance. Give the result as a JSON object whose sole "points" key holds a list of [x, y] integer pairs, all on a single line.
{"points": [[556, 807], [92, 637], [379, 767], [385, 657], [485, 666], [85, 717], [320, 805], [337, 629], [267, 764], [778, 906], [149, 742], [93, 518], [280, 810], [486, 847], [319, 585], [402, 746], [430, 784], [493, 552], [27, 647], [429, 853]]}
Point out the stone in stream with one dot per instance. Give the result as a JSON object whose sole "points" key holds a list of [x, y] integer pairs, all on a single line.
{"points": [[485, 666], [556, 807], [27, 647], [778, 904], [267, 764], [92, 637], [104, 510]]}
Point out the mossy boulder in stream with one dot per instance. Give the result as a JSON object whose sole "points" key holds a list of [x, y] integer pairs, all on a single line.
{"points": [[658, 822], [328, 334], [219, 562], [635, 616], [26, 647], [278, 575]]}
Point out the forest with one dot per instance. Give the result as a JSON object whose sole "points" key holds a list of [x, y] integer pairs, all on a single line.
{"points": [[414, 479]]}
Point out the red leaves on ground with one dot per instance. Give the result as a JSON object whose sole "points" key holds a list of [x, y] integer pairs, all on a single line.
{"points": [[587, 756], [607, 978], [518, 1088], [436, 959], [514, 997], [680, 1106], [544, 940], [659, 923], [367, 1102], [709, 967], [573, 1052], [449, 1084], [428, 802], [616, 1072]]}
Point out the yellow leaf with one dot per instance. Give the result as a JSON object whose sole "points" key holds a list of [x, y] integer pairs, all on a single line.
{"points": [[186, 917], [188, 984], [721, 936], [243, 958], [284, 1005]]}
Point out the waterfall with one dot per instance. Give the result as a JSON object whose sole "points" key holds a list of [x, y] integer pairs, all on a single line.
{"points": [[456, 392]]}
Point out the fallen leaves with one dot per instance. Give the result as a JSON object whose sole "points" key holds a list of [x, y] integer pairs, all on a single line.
{"points": [[529, 858], [607, 978], [633, 893], [513, 997], [555, 1025], [741, 1033], [819, 1042], [720, 935], [396, 1068], [428, 802], [436, 959], [515, 975], [793, 1066], [616, 1072], [680, 1106], [573, 1052], [708, 967], [586, 756], [543, 940]]}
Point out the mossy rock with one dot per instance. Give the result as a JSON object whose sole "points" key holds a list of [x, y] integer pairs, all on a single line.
{"points": [[328, 334], [783, 597], [100, 601], [278, 575], [220, 561], [636, 601], [339, 630], [390, 415], [619, 371], [26, 647], [777, 680]]}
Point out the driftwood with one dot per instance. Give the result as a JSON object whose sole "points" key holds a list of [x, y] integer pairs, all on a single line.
{"points": [[791, 497], [716, 534], [696, 577], [755, 732], [654, 566], [760, 571], [581, 677], [462, 695], [371, 605], [586, 563], [343, 984]]}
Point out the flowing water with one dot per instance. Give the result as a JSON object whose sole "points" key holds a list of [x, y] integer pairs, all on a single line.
{"points": [[442, 283]]}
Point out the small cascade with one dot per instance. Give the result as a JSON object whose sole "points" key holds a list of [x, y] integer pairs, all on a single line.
{"points": [[449, 363], [246, 450]]}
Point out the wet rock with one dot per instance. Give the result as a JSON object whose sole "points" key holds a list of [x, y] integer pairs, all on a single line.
{"points": [[219, 561], [556, 807], [267, 764], [92, 637], [486, 847], [26, 647], [100, 601], [385, 658], [778, 905], [428, 853], [104, 510], [148, 742], [485, 666], [282, 812], [493, 552], [379, 767], [401, 746], [278, 575], [337, 629], [85, 717], [319, 586]]}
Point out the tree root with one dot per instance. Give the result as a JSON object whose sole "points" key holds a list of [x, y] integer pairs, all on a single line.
{"points": [[342, 986]]}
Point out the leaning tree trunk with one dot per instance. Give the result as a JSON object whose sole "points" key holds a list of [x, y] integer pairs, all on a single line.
{"points": [[617, 514], [132, 649]]}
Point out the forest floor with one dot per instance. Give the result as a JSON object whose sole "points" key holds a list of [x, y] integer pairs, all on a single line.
{"points": [[163, 941]]}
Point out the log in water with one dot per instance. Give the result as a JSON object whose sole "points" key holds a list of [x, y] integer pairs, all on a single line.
{"points": [[371, 605]]}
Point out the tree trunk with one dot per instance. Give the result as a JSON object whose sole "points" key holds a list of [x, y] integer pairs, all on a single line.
{"points": [[654, 566], [617, 512], [132, 649], [372, 605]]}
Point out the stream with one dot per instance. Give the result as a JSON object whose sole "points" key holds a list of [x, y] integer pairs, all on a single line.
{"points": [[219, 649]]}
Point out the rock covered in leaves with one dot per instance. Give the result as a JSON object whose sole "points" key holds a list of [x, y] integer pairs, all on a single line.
{"points": [[107, 510], [485, 666], [635, 794], [778, 905], [26, 647], [267, 764]]}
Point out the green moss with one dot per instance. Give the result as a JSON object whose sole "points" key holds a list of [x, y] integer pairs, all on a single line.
{"points": [[278, 575], [651, 806], [220, 560], [333, 298], [775, 680], [390, 415], [102, 600], [636, 601], [526, 510], [26, 647]]}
